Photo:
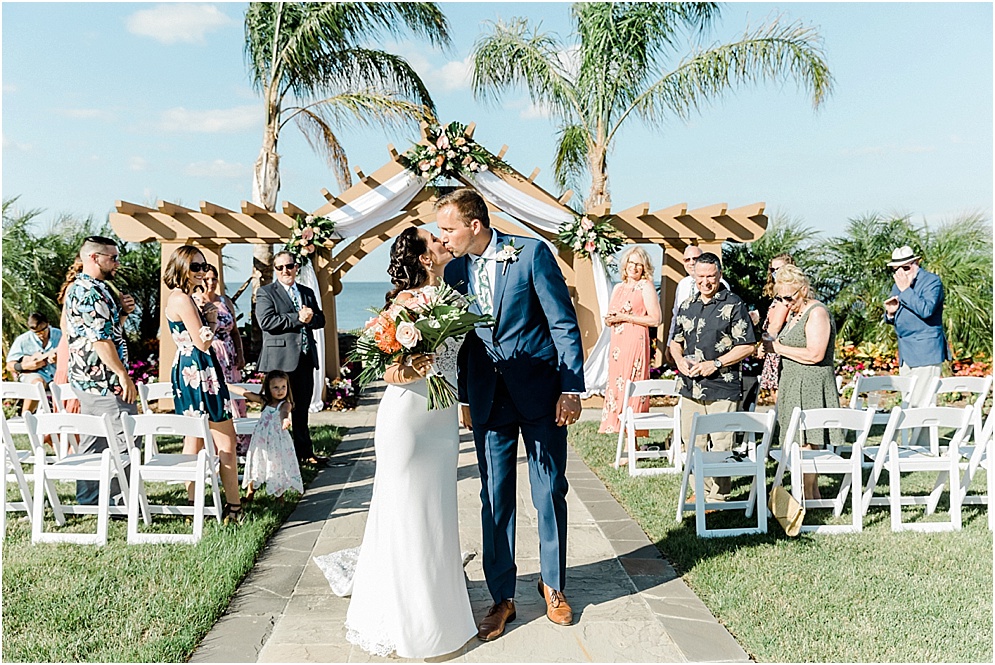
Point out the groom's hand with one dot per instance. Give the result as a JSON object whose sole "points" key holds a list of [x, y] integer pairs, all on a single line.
{"points": [[567, 410], [464, 416]]}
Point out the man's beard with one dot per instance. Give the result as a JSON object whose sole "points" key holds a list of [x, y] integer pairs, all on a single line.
{"points": [[107, 274]]}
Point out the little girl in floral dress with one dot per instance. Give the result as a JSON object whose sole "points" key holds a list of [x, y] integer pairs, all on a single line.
{"points": [[272, 460]]}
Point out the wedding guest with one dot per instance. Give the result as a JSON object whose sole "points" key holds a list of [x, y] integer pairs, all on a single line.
{"points": [[32, 355], [805, 344], [199, 386], [62, 352], [777, 313], [227, 345], [686, 287], [288, 314], [98, 352], [634, 308], [713, 334], [915, 308]]}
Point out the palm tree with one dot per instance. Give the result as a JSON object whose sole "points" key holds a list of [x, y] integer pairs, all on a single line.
{"points": [[308, 61], [616, 68], [744, 265]]}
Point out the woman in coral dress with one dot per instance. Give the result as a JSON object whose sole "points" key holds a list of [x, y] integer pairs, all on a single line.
{"points": [[634, 309]]}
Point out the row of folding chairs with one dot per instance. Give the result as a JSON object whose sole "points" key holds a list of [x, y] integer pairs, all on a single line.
{"points": [[61, 393], [955, 466], [128, 467], [630, 421]]}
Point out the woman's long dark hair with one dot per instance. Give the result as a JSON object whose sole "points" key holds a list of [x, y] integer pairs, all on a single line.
{"points": [[405, 270]]}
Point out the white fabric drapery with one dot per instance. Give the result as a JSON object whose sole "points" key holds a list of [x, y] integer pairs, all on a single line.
{"points": [[306, 277], [388, 199]]}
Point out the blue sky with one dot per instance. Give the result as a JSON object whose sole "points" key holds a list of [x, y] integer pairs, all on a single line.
{"points": [[152, 101]]}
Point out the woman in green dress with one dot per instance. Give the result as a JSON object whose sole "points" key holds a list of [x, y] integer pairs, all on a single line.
{"points": [[806, 344]]}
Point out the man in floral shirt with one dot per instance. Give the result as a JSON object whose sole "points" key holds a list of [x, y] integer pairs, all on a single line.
{"points": [[712, 335], [98, 354]]}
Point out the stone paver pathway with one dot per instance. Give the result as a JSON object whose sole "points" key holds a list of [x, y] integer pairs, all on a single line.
{"points": [[629, 605]]}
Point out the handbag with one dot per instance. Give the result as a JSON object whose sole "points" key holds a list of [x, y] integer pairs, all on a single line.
{"points": [[787, 511]]}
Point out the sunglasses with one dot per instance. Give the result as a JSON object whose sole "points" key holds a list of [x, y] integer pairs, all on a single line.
{"points": [[787, 299], [285, 267], [199, 267], [907, 267], [691, 260], [115, 258]]}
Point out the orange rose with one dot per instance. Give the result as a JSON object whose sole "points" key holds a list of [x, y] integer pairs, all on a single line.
{"points": [[386, 337]]}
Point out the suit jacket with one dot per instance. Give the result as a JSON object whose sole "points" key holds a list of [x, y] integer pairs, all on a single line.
{"points": [[277, 316], [535, 344], [919, 322]]}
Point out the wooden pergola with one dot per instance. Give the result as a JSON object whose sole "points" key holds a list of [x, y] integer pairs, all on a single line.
{"points": [[212, 226]]}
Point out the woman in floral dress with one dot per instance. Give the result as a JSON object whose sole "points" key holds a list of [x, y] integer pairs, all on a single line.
{"points": [[227, 346], [198, 383], [634, 309]]}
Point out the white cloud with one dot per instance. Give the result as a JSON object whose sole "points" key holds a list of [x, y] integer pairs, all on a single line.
{"points": [[452, 75], [169, 24], [15, 145], [138, 164], [9, 87], [218, 168], [535, 111], [213, 121]]}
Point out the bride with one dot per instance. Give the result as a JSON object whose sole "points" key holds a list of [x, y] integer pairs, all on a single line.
{"points": [[409, 594]]}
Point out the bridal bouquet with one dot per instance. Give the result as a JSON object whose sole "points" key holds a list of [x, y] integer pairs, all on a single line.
{"points": [[420, 325]]}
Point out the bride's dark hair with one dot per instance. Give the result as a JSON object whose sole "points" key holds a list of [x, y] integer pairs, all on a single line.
{"points": [[405, 270]]}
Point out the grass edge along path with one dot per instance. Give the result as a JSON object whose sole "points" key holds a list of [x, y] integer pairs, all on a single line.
{"points": [[875, 596], [138, 603]]}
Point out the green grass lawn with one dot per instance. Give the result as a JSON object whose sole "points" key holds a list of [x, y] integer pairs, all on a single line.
{"points": [[869, 597], [139, 603]]}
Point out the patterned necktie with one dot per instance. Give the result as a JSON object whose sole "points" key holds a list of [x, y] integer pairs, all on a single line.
{"points": [[297, 303], [484, 295]]}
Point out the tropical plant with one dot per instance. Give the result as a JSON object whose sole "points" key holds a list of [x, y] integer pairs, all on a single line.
{"points": [[309, 61], [622, 62], [744, 265]]}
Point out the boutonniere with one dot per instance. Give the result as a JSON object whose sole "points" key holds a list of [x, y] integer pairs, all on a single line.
{"points": [[508, 254]]}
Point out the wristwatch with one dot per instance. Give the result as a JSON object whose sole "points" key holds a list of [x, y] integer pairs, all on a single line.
{"points": [[718, 363]]}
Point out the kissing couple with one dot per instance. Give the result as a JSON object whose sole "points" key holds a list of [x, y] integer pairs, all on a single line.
{"points": [[520, 378]]}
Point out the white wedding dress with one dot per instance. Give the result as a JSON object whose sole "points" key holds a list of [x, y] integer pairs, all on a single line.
{"points": [[409, 594]]}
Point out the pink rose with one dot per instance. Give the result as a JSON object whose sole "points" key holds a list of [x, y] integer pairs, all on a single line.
{"points": [[586, 224], [443, 142], [589, 247], [307, 233]]}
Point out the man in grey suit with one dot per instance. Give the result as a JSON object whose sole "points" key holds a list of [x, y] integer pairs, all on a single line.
{"points": [[288, 312]]}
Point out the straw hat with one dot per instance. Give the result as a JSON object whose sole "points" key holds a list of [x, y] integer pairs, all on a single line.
{"points": [[901, 256]]}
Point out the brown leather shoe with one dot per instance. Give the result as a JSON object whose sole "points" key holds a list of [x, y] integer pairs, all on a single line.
{"points": [[557, 609], [492, 625]]}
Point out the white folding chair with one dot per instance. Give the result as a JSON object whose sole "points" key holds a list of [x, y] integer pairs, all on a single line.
{"points": [[898, 460], [200, 469], [727, 464], [102, 467], [979, 386], [247, 424], [24, 391], [14, 461], [630, 422], [800, 462], [981, 457], [148, 393], [61, 394], [878, 384]]}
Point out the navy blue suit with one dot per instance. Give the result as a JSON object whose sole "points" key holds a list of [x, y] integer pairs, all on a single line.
{"points": [[919, 321], [512, 375]]}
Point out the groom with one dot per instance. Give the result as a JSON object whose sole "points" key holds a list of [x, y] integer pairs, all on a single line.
{"points": [[521, 377]]}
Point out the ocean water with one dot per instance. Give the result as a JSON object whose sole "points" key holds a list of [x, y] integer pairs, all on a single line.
{"points": [[353, 303]]}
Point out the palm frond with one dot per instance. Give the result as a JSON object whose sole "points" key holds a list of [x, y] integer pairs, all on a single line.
{"points": [[771, 53], [570, 162], [322, 140], [512, 55]]}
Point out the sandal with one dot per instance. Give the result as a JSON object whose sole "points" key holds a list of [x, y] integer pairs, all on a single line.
{"points": [[232, 512]]}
